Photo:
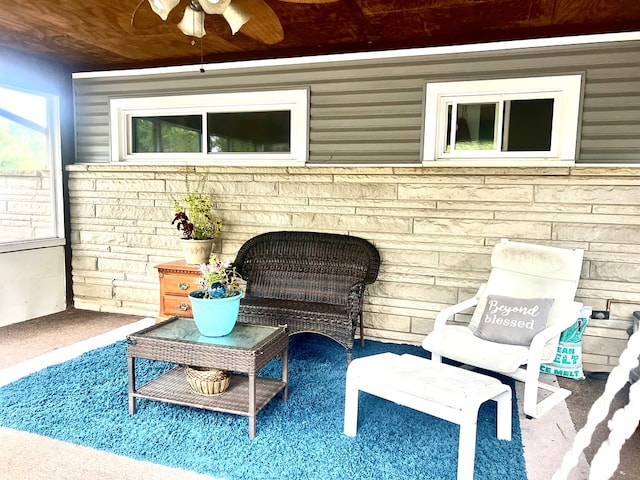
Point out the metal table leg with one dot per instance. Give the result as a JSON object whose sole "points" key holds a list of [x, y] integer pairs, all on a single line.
{"points": [[132, 384], [252, 405], [285, 373]]}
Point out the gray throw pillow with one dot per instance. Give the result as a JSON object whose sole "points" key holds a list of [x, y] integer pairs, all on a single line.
{"points": [[513, 320]]}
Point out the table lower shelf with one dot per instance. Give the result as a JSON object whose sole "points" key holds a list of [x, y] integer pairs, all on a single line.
{"points": [[172, 387]]}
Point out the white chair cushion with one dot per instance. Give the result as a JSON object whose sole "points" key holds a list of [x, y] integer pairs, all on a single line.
{"points": [[524, 270], [460, 344], [537, 260]]}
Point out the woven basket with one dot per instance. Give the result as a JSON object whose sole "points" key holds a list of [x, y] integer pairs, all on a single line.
{"points": [[207, 381]]}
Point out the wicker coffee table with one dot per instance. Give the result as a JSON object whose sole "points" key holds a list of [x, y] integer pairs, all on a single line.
{"points": [[244, 351]]}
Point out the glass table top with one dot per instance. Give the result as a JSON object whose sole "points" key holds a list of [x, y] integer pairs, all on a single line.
{"points": [[184, 329]]}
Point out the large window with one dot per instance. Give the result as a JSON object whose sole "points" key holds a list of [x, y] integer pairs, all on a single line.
{"points": [[507, 120], [239, 128], [30, 170]]}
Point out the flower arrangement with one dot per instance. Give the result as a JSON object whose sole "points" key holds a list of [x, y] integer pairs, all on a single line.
{"points": [[194, 217], [219, 279]]}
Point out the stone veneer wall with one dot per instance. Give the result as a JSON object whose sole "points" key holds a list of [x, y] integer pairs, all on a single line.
{"points": [[434, 228], [25, 206]]}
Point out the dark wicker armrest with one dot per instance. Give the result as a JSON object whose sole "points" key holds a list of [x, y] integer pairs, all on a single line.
{"points": [[355, 301]]}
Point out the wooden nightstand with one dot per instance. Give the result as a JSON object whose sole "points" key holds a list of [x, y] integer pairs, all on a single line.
{"points": [[177, 279]]}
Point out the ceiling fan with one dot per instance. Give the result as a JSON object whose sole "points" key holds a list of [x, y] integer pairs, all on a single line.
{"points": [[254, 18]]}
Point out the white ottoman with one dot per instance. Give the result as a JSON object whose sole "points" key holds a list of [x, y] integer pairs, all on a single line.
{"points": [[451, 393]]}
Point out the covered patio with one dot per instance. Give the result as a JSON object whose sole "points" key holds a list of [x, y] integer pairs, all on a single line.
{"points": [[364, 161]]}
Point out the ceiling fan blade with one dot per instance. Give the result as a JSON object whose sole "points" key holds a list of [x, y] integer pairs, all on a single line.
{"points": [[263, 25], [142, 15], [309, 1]]}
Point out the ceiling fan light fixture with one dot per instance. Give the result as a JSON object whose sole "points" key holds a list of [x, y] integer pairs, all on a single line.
{"points": [[163, 7], [214, 7], [236, 17], [192, 23]]}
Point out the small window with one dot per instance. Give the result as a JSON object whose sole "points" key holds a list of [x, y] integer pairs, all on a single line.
{"points": [[262, 128], [166, 134], [504, 120], [249, 132]]}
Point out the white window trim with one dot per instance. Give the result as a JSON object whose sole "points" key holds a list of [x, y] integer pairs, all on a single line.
{"points": [[121, 110], [55, 147], [565, 89], [54, 150]]}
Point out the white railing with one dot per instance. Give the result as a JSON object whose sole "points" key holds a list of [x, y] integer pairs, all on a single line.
{"points": [[622, 424]]}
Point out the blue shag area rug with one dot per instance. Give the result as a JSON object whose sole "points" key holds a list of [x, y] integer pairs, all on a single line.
{"points": [[84, 401]]}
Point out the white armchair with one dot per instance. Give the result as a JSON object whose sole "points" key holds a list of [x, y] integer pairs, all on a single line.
{"points": [[522, 271]]}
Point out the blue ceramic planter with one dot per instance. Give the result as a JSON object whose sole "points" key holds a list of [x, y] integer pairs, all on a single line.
{"points": [[214, 317]]}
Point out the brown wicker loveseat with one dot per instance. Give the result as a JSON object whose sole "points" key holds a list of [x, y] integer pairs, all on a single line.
{"points": [[310, 281]]}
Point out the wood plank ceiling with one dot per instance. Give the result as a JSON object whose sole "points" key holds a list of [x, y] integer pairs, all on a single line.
{"points": [[98, 35]]}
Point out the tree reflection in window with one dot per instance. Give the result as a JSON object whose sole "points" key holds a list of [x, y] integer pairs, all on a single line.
{"points": [[167, 134], [249, 131]]}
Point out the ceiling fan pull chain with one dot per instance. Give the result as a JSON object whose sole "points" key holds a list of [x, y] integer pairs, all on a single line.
{"points": [[201, 56]]}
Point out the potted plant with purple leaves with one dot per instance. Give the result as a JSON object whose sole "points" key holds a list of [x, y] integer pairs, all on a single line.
{"points": [[196, 220]]}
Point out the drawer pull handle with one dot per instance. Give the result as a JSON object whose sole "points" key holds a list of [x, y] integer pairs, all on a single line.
{"points": [[183, 307], [183, 286]]}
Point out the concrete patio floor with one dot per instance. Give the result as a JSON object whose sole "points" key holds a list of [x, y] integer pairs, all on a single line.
{"points": [[27, 456]]}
